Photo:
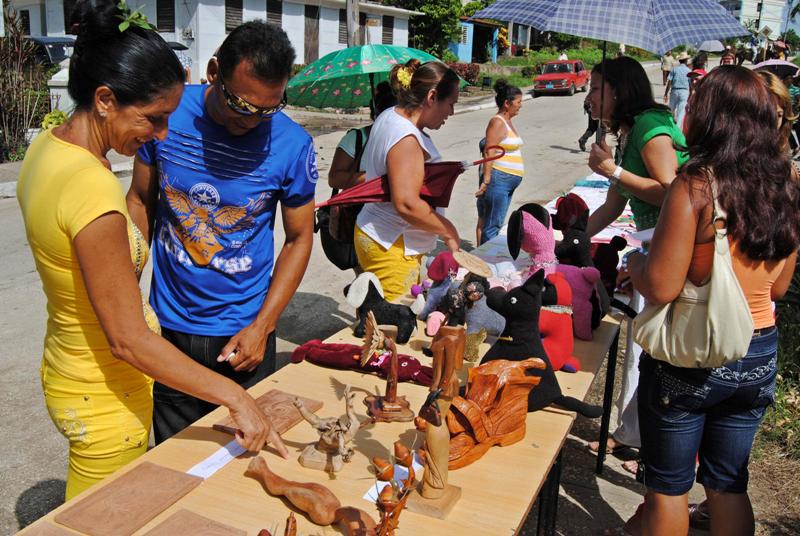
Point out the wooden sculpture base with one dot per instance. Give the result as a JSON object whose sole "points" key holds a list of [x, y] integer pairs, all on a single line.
{"points": [[312, 458], [438, 508], [381, 410]]}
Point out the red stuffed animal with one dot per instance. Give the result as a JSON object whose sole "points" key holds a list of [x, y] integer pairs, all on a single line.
{"points": [[555, 324]]}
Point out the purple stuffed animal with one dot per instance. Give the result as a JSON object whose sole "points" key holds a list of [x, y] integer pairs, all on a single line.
{"points": [[582, 281]]}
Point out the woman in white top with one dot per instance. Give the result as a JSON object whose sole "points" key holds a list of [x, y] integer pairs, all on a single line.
{"points": [[502, 176], [391, 237]]}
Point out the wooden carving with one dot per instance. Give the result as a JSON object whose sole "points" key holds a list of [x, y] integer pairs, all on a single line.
{"points": [[390, 407], [315, 500], [492, 411], [333, 449], [394, 496], [279, 405]]}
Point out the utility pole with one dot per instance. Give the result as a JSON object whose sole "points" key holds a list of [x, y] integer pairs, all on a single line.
{"points": [[352, 23]]}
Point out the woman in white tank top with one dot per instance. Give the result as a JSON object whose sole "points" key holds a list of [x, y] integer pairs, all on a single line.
{"points": [[501, 177], [390, 238]]}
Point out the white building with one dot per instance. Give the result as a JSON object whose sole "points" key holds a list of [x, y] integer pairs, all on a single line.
{"points": [[315, 27], [772, 14]]}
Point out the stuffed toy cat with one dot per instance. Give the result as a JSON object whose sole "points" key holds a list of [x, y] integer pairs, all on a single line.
{"points": [[442, 271], [555, 324], [365, 293], [606, 259], [520, 340]]}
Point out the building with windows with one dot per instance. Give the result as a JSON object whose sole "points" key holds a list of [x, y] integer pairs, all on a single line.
{"points": [[315, 28], [770, 14]]}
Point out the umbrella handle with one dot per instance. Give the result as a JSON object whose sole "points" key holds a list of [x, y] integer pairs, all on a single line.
{"points": [[490, 158]]}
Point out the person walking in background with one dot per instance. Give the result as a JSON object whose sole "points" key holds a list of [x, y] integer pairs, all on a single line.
{"points": [[711, 415], [208, 195], [667, 63], [563, 56], [102, 349], [677, 90], [391, 237], [591, 127], [646, 165], [502, 176]]}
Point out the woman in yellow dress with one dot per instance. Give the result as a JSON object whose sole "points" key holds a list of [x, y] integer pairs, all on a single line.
{"points": [[100, 351]]}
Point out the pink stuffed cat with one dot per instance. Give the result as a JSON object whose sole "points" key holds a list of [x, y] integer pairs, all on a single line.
{"points": [[582, 282]]}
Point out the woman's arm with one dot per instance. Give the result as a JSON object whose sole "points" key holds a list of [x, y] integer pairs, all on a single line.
{"points": [[405, 165], [607, 213], [495, 132], [104, 258], [660, 160], [343, 173], [660, 275], [781, 284]]}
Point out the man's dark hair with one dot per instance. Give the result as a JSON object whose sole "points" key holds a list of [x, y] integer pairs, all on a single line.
{"points": [[265, 46]]}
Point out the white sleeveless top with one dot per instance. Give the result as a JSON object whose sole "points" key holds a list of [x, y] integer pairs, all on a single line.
{"points": [[380, 221]]}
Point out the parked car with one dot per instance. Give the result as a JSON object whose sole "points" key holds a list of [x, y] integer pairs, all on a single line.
{"points": [[52, 50], [563, 76]]}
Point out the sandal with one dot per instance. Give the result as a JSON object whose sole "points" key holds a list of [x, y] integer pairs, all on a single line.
{"points": [[594, 446], [699, 519]]}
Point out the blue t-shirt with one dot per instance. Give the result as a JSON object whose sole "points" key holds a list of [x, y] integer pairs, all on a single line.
{"points": [[213, 249], [679, 76]]}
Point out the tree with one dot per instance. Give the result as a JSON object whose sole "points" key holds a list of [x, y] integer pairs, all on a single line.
{"points": [[792, 39], [437, 28]]}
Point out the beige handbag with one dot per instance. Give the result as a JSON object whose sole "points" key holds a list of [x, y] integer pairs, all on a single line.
{"points": [[706, 326]]}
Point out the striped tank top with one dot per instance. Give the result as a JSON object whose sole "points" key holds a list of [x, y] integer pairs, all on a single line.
{"points": [[511, 162]]}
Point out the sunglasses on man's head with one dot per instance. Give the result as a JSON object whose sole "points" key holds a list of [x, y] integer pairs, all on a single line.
{"points": [[242, 107]]}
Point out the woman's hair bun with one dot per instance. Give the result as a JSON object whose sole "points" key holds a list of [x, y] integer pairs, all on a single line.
{"points": [[95, 21], [500, 85]]}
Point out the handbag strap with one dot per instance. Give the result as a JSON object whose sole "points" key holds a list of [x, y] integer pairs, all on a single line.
{"points": [[718, 214]]}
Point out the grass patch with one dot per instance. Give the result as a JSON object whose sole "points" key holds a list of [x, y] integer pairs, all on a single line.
{"points": [[513, 79]]}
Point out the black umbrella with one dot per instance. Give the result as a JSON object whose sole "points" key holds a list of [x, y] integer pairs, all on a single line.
{"points": [[174, 45]]}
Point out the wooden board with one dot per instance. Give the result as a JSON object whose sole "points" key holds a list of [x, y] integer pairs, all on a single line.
{"points": [[48, 529], [278, 406], [129, 502], [191, 524]]}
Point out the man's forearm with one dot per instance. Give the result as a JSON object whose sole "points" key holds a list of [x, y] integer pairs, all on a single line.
{"points": [[286, 276]]}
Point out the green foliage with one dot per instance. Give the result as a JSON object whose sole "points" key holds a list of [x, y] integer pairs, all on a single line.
{"points": [[24, 98], [519, 80], [529, 71], [449, 57], [296, 68], [563, 41], [437, 28], [53, 119], [470, 8], [791, 38]]}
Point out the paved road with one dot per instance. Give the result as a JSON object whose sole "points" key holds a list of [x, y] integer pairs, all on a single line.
{"points": [[33, 454]]}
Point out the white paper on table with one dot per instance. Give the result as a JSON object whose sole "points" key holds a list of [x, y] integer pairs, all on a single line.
{"points": [[218, 460], [400, 474]]}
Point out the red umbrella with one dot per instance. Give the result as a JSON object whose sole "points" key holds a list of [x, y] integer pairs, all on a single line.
{"points": [[440, 177]]}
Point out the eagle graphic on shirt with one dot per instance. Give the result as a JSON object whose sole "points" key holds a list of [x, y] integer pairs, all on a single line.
{"points": [[201, 225]]}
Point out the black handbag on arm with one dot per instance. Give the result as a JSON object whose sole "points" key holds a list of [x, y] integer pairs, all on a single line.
{"points": [[336, 224]]}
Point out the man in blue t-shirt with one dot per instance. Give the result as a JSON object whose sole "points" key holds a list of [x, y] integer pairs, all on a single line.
{"points": [[207, 196], [677, 90]]}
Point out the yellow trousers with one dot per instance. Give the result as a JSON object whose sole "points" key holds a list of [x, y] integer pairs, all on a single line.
{"points": [[394, 269], [107, 424]]}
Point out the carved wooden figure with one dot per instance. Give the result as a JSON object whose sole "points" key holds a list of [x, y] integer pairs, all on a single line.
{"points": [[394, 496], [390, 407], [332, 450], [436, 497]]}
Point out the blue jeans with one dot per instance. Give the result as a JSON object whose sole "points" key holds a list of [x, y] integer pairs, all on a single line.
{"points": [[493, 205], [677, 103], [711, 412]]}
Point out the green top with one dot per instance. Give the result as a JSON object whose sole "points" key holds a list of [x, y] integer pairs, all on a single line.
{"points": [[646, 126]]}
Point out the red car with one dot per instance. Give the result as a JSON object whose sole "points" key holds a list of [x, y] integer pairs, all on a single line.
{"points": [[563, 76]]}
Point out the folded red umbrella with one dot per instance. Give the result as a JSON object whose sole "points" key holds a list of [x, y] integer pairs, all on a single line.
{"points": [[440, 177]]}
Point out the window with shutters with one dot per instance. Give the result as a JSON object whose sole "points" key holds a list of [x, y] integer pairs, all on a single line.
{"points": [[25, 21], [68, 5], [343, 26], [165, 15], [387, 32], [275, 12], [233, 14], [464, 35], [362, 28]]}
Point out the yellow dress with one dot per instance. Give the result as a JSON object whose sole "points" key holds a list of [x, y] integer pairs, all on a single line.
{"points": [[101, 404]]}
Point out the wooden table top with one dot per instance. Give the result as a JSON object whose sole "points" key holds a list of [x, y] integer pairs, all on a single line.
{"points": [[497, 491]]}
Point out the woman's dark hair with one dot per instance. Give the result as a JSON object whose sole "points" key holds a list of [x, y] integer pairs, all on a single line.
{"points": [[732, 136], [136, 64], [700, 61], [632, 90], [265, 46], [504, 92], [423, 78], [382, 99]]}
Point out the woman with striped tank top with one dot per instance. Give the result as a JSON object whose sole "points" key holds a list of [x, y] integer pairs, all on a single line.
{"points": [[500, 177]]}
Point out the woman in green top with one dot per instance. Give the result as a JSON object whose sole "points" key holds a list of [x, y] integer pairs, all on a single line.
{"points": [[646, 164]]}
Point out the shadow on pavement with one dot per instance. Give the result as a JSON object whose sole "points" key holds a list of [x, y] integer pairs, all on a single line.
{"points": [[38, 500], [311, 316], [568, 149]]}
